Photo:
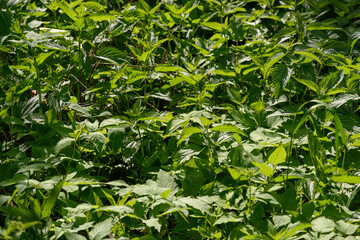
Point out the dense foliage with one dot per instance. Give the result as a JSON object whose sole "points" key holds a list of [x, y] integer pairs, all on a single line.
{"points": [[200, 119]]}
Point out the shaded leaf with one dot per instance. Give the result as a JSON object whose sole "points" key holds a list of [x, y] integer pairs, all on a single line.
{"points": [[280, 76], [187, 132]]}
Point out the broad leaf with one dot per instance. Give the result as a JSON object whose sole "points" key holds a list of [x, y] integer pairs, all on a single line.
{"points": [[278, 156], [101, 230]]}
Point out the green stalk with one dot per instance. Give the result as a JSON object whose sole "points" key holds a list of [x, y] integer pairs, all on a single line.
{"points": [[38, 85], [80, 65]]}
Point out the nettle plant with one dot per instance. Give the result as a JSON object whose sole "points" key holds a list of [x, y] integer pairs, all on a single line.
{"points": [[202, 119]]}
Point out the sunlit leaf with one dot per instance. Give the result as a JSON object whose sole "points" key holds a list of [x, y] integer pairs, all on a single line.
{"points": [[264, 169], [278, 156]]}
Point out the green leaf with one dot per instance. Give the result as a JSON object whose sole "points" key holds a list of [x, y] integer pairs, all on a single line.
{"points": [[167, 68], [278, 156], [5, 19], [317, 26], [228, 218], [153, 222], [288, 199], [40, 58], [198, 204], [64, 7], [276, 58], [122, 209], [281, 220], [346, 179], [264, 168], [26, 215], [51, 117], [235, 174], [165, 180], [308, 209], [65, 144], [309, 55], [98, 140], [187, 132], [310, 84], [109, 197], [125, 198], [339, 129], [83, 110], [101, 230], [279, 76], [166, 193], [144, 6], [74, 236], [93, 6], [293, 231], [332, 80], [51, 200], [346, 228], [193, 181], [112, 54], [101, 17], [227, 128], [322, 225], [356, 143], [224, 72], [214, 25]]}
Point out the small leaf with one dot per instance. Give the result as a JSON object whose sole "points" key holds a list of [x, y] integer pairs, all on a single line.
{"points": [[93, 6], [281, 220], [166, 193]]}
